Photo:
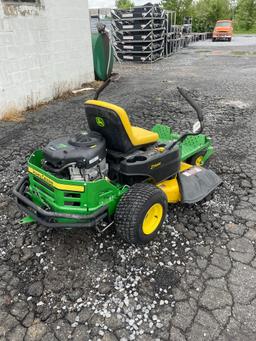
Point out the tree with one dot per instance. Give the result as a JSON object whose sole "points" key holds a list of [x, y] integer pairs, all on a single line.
{"points": [[183, 8], [207, 12], [124, 4], [246, 14]]}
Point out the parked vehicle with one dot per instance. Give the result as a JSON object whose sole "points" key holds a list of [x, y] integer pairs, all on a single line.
{"points": [[223, 30]]}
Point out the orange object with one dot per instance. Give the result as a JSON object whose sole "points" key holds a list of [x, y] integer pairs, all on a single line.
{"points": [[223, 30]]}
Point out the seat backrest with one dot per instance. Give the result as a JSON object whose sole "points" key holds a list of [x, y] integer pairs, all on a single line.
{"points": [[112, 122]]}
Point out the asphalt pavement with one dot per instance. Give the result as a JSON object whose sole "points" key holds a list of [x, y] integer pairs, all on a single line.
{"points": [[197, 280]]}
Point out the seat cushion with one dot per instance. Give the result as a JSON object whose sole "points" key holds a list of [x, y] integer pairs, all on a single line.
{"points": [[142, 136], [120, 135]]}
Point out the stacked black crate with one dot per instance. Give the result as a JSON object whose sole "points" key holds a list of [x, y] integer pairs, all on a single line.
{"points": [[139, 33], [174, 39]]}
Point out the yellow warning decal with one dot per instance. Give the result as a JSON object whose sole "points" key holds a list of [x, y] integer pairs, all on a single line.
{"points": [[73, 188]]}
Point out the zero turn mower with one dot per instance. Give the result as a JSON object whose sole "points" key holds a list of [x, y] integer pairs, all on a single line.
{"points": [[116, 173]]}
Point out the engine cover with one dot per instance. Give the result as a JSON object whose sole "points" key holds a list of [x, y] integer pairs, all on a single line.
{"points": [[85, 150]]}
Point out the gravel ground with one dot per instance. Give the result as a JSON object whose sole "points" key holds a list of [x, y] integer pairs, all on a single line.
{"points": [[197, 280]]}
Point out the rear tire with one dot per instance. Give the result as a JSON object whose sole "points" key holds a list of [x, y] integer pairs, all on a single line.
{"points": [[140, 213], [213, 39]]}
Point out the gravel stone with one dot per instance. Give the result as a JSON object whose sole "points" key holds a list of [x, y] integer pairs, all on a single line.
{"points": [[235, 228], [62, 330], [203, 251], [184, 315], [16, 334], [81, 333], [35, 289], [175, 335], [19, 310], [114, 323], [251, 234], [28, 320], [222, 315], [215, 298], [49, 337], [36, 331], [241, 250], [242, 283], [109, 337], [204, 327], [105, 288], [7, 323], [246, 314], [246, 213], [223, 263]]}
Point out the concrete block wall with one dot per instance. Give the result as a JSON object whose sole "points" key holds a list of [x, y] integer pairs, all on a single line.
{"points": [[45, 49]]}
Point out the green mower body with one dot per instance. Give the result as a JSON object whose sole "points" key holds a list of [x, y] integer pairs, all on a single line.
{"points": [[116, 173], [67, 203], [191, 147]]}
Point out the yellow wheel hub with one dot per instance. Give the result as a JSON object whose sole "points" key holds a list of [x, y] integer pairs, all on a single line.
{"points": [[152, 219], [199, 161]]}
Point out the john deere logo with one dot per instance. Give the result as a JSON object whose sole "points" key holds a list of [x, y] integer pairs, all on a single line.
{"points": [[100, 122]]}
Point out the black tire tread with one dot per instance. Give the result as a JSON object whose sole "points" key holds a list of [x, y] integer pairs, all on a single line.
{"points": [[130, 207]]}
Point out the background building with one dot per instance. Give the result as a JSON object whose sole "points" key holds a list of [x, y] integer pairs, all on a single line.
{"points": [[45, 50]]}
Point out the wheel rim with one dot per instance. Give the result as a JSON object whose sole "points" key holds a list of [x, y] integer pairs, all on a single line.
{"points": [[199, 161], [152, 219]]}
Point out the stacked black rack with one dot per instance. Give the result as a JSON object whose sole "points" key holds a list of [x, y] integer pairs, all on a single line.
{"points": [[174, 39], [139, 33]]}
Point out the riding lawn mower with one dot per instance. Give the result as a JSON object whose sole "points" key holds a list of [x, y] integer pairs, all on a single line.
{"points": [[116, 174]]}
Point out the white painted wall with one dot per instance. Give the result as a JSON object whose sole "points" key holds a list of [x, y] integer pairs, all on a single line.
{"points": [[44, 50]]}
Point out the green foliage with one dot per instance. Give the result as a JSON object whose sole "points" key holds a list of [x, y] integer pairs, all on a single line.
{"points": [[207, 12], [124, 4], [246, 15], [183, 8]]}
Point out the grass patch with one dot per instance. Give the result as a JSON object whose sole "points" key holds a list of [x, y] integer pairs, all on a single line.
{"points": [[243, 53], [94, 84], [60, 92], [239, 53], [13, 115], [240, 31]]}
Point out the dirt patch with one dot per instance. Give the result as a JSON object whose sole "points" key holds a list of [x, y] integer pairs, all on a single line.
{"points": [[94, 84]]}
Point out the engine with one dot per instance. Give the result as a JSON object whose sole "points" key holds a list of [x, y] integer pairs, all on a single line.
{"points": [[80, 158]]}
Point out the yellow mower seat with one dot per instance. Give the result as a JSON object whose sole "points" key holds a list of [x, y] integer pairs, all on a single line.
{"points": [[142, 136], [113, 123]]}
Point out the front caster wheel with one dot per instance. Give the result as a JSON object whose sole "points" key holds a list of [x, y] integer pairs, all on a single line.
{"points": [[140, 213], [197, 159]]}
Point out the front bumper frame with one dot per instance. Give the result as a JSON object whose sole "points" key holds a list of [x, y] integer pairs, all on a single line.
{"points": [[221, 37], [49, 218]]}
